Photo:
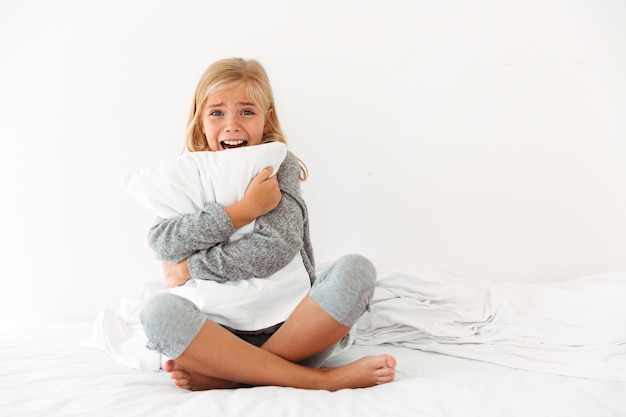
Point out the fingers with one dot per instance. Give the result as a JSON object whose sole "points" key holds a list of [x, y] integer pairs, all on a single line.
{"points": [[266, 185], [264, 174], [269, 171]]}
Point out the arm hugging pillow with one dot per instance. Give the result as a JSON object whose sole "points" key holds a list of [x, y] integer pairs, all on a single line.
{"points": [[185, 184]]}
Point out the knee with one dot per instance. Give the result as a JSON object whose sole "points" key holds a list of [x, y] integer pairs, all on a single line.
{"points": [[170, 322], [362, 269], [356, 278], [345, 290], [160, 307]]}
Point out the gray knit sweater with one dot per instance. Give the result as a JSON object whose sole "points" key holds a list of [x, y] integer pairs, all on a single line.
{"points": [[202, 238]]}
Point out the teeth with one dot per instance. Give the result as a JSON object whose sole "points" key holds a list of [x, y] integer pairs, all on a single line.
{"points": [[234, 142]]}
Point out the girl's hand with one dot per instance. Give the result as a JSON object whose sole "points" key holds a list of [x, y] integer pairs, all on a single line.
{"points": [[262, 196], [263, 193], [176, 274]]}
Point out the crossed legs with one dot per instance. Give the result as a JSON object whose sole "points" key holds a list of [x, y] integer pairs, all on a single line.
{"points": [[230, 359], [216, 358]]}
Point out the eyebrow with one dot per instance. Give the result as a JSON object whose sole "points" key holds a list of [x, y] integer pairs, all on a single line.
{"points": [[241, 103]]}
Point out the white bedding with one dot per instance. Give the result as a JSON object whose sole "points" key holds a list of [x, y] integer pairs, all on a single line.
{"points": [[574, 327], [45, 370]]}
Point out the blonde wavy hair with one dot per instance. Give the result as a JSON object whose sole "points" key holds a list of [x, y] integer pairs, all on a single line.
{"points": [[229, 73]]}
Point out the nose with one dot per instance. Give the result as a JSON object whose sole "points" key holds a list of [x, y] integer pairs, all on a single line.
{"points": [[232, 124]]}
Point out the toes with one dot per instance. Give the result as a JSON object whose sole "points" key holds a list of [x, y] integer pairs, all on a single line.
{"points": [[182, 380], [387, 372], [390, 361], [179, 374], [384, 380], [169, 365], [384, 372], [183, 384], [383, 361]]}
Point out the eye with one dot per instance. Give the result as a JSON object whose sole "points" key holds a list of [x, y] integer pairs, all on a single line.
{"points": [[247, 112], [215, 113]]}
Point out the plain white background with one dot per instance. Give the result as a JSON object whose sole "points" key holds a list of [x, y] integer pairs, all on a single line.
{"points": [[486, 136]]}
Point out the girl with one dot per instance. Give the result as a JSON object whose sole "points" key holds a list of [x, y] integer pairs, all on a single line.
{"points": [[234, 107]]}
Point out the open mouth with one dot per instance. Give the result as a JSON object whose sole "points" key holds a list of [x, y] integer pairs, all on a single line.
{"points": [[231, 144]]}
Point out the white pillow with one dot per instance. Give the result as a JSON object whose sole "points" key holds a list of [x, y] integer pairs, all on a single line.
{"points": [[184, 185]]}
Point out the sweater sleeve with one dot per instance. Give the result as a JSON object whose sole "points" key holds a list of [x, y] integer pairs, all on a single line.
{"points": [[175, 239], [277, 237]]}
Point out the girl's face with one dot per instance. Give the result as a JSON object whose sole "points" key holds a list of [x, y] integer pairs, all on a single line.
{"points": [[231, 120]]}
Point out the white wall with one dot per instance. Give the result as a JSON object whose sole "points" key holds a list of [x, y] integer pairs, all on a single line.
{"points": [[485, 136]]}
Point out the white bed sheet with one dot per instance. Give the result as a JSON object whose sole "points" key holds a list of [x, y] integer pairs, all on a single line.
{"points": [[46, 371]]}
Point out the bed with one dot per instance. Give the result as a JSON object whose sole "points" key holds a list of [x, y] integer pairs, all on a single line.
{"points": [[464, 346]]}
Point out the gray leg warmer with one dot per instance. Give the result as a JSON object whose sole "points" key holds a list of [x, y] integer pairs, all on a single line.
{"points": [[346, 288], [170, 323]]}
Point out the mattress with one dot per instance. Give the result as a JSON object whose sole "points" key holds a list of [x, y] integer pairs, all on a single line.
{"points": [[46, 371], [464, 347]]}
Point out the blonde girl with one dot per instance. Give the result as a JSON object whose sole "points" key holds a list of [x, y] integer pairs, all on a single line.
{"points": [[234, 107]]}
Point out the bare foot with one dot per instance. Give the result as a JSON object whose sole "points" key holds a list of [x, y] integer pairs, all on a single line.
{"points": [[193, 381], [365, 372]]}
